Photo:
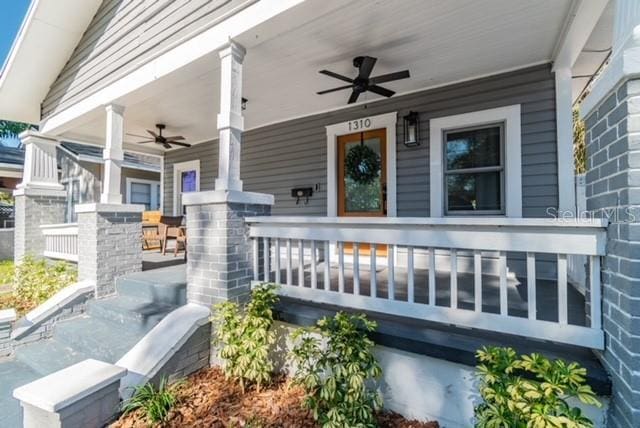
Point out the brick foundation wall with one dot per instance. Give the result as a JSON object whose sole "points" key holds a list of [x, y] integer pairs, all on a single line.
{"points": [[109, 246], [219, 265], [32, 211], [613, 192]]}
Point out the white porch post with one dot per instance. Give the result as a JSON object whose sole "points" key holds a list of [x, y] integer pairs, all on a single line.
{"points": [[113, 155], [39, 198], [564, 135], [230, 121]]}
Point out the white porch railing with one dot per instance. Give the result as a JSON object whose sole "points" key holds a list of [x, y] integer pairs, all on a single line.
{"points": [[61, 241], [474, 236]]}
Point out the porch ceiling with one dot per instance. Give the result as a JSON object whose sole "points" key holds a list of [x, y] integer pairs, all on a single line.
{"points": [[439, 42]]}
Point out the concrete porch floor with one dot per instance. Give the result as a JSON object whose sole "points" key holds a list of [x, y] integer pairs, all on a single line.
{"points": [[153, 259]]}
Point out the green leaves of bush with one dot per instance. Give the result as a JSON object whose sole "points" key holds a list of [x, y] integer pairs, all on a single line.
{"points": [[512, 401], [245, 338], [156, 403], [334, 363]]}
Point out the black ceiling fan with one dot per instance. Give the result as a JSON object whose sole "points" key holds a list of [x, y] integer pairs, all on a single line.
{"points": [[158, 138], [363, 83]]}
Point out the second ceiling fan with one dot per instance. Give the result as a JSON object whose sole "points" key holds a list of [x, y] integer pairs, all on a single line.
{"points": [[363, 82]]}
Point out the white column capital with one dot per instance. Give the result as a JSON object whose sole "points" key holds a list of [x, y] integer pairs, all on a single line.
{"points": [[40, 172], [114, 108], [233, 49]]}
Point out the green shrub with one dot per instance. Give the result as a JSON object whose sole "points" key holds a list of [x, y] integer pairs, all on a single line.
{"points": [[334, 362], [6, 272], [512, 401], [245, 337], [156, 403]]}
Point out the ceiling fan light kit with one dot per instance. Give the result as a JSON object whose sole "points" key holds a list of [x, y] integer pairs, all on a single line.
{"points": [[363, 82]]}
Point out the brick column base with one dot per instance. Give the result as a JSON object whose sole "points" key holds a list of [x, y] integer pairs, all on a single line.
{"points": [[219, 262], [33, 208], [109, 243]]}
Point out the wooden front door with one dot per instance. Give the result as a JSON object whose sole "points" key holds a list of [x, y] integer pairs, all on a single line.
{"points": [[363, 199]]}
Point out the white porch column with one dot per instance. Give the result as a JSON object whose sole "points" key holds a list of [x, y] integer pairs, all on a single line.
{"points": [[113, 155], [39, 198], [230, 121], [564, 135]]}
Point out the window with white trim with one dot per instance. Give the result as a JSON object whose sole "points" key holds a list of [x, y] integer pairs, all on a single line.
{"points": [[144, 192], [474, 170]]}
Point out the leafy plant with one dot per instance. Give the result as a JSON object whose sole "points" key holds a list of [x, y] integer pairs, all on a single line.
{"points": [[35, 280], [334, 362], [512, 401], [6, 198], [156, 403], [245, 338], [579, 143], [10, 129]]}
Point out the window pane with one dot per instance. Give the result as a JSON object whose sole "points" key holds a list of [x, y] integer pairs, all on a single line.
{"points": [[189, 181], [473, 148], [474, 192], [363, 197], [141, 194]]}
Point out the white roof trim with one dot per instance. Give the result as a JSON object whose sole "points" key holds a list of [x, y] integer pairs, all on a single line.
{"points": [[45, 41]]}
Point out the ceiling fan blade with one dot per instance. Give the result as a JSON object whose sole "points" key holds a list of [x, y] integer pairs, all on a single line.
{"points": [[145, 141], [340, 88], [381, 91], [176, 137], [166, 145], [389, 77], [139, 136], [179, 144], [336, 76], [366, 67], [354, 97], [152, 133]]}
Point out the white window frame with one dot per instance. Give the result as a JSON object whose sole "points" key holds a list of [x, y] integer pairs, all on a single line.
{"points": [[154, 191], [68, 181], [178, 168], [510, 116], [387, 121]]}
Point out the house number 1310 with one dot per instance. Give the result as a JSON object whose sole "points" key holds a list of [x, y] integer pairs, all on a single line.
{"points": [[355, 125]]}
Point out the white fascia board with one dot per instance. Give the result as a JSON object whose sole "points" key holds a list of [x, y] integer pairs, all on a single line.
{"points": [[202, 44], [46, 39], [582, 21]]}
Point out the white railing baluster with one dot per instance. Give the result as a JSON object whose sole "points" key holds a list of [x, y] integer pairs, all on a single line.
{"points": [[256, 259], [356, 269], [432, 276], [563, 315], [502, 270], [454, 277], [410, 279], [391, 268], [340, 267], [477, 280], [301, 263], [314, 261], [327, 266], [266, 256], [373, 283], [276, 260], [596, 292], [531, 286], [289, 268]]}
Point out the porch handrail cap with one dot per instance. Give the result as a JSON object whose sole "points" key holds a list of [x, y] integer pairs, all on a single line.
{"points": [[226, 196], [109, 208], [444, 221]]}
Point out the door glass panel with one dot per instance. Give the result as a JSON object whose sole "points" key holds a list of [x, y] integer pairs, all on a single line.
{"points": [[188, 183], [362, 197]]}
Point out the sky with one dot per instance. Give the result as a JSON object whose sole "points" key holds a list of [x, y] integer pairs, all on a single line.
{"points": [[11, 14]]}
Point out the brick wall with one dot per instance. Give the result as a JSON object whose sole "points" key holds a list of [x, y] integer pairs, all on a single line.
{"points": [[219, 265], [613, 192], [109, 246], [31, 212]]}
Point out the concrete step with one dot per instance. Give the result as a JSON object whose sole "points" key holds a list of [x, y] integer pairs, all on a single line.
{"points": [[48, 356], [98, 338], [130, 311], [167, 285], [12, 375]]}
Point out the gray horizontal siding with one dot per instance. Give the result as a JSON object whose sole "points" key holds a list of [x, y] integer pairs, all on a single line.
{"points": [[124, 34], [282, 156]]}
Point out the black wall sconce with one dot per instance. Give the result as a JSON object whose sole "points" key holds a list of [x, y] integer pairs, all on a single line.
{"points": [[243, 104], [411, 129], [302, 193]]}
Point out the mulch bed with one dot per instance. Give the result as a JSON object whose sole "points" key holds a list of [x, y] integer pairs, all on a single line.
{"points": [[209, 400]]}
